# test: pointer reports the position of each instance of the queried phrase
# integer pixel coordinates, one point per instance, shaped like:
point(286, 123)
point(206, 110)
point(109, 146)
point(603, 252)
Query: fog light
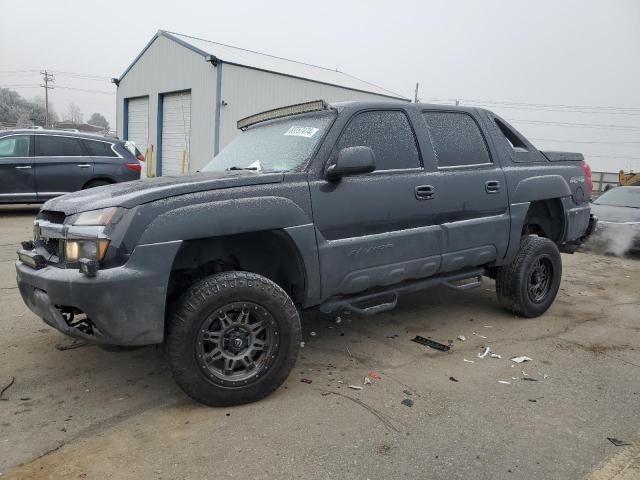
point(89, 249)
point(88, 267)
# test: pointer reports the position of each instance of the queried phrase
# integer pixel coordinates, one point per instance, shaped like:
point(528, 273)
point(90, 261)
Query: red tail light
point(587, 174)
point(140, 157)
point(134, 166)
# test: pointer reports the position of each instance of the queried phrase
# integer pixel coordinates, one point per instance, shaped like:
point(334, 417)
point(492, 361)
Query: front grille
point(52, 216)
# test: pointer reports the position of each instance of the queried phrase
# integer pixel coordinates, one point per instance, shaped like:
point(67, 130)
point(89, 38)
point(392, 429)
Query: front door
point(378, 228)
point(61, 165)
point(17, 179)
point(470, 191)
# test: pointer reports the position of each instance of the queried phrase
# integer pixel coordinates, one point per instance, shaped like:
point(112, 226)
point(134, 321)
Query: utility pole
point(47, 78)
point(415, 98)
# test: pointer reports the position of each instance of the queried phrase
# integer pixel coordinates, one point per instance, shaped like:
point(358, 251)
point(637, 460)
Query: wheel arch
point(274, 254)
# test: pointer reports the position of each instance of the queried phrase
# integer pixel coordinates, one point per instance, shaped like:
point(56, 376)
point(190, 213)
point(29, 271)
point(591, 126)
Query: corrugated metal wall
point(168, 67)
point(247, 91)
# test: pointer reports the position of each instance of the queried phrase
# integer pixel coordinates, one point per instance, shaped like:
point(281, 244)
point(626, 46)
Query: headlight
point(74, 250)
point(103, 216)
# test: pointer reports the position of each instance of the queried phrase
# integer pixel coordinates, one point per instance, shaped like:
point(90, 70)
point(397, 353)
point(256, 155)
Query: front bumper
point(125, 305)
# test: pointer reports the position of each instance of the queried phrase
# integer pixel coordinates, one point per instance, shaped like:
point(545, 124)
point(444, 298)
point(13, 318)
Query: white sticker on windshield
point(307, 132)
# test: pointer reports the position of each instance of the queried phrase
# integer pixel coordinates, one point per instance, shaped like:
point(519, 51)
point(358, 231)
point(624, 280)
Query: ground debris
point(374, 376)
point(306, 380)
point(617, 442)
point(9, 385)
point(504, 382)
point(454, 379)
point(407, 402)
point(431, 343)
point(462, 338)
point(485, 352)
point(495, 355)
point(355, 387)
point(521, 359)
point(468, 361)
point(530, 379)
point(70, 346)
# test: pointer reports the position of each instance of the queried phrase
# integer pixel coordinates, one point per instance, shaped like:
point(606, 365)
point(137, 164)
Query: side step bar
point(387, 299)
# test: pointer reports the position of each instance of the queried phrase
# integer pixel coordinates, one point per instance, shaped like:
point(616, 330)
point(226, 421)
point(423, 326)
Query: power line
point(581, 125)
point(583, 142)
point(545, 109)
point(549, 105)
point(30, 85)
point(104, 92)
point(612, 156)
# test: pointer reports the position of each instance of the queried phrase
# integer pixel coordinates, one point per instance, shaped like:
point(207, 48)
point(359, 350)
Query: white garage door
point(176, 130)
point(138, 125)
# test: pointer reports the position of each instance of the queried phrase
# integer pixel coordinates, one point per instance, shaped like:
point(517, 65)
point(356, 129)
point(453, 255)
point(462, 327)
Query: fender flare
point(543, 187)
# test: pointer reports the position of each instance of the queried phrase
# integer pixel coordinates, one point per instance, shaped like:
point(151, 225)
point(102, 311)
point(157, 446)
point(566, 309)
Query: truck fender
point(542, 187)
point(231, 217)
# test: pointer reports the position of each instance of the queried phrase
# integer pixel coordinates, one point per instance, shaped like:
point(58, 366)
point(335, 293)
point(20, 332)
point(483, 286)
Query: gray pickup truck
point(338, 207)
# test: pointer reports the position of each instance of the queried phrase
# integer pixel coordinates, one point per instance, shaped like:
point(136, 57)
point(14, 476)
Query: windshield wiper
point(242, 168)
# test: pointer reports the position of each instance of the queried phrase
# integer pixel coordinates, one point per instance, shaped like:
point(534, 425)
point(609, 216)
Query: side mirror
point(352, 161)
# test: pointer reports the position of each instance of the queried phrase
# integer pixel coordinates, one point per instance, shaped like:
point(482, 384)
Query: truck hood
point(608, 213)
point(131, 194)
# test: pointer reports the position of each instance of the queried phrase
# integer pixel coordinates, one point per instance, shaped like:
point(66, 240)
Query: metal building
point(181, 97)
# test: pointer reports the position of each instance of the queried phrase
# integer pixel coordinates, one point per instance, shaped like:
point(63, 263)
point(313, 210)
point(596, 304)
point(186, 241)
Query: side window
point(388, 133)
point(98, 149)
point(52, 146)
point(15, 146)
point(456, 139)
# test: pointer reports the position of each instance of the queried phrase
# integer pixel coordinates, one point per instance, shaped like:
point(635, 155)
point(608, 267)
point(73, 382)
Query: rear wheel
point(529, 284)
point(233, 338)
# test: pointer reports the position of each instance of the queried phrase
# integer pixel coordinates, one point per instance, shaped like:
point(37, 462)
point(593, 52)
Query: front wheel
point(529, 284)
point(232, 338)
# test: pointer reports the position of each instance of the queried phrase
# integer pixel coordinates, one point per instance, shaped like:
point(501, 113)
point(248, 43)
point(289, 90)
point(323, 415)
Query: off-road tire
point(197, 305)
point(513, 280)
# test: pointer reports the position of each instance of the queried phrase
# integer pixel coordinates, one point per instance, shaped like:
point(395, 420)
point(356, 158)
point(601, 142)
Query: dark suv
point(36, 165)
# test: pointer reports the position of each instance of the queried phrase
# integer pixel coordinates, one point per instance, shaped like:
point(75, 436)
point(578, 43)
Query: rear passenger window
point(388, 133)
point(512, 138)
point(50, 146)
point(456, 138)
point(98, 149)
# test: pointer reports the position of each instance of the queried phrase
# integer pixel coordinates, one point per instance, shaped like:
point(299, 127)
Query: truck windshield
point(278, 145)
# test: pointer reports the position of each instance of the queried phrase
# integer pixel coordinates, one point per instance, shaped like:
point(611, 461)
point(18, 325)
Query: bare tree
point(74, 114)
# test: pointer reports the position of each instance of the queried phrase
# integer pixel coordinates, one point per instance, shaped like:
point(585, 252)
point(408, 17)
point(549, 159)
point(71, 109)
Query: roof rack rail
point(313, 106)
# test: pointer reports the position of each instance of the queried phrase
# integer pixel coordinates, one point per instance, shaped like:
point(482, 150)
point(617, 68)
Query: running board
point(387, 299)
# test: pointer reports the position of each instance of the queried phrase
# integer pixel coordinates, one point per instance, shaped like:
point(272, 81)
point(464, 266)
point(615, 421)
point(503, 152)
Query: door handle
point(492, 186)
point(84, 165)
point(23, 167)
point(424, 192)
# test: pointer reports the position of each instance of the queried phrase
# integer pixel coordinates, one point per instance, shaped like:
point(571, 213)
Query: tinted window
point(388, 134)
point(98, 149)
point(17, 146)
point(47, 146)
point(620, 197)
point(456, 139)
point(514, 140)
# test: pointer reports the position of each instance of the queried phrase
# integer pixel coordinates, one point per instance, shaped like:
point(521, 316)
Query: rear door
point(470, 192)
point(61, 165)
point(103, 157)
point(17, 179)
point(378, 228)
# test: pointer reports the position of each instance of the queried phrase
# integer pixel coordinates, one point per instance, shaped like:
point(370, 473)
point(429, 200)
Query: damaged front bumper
point(120, 306)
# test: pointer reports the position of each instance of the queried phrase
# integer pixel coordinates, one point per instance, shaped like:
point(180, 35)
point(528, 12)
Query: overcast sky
point(574, 54)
